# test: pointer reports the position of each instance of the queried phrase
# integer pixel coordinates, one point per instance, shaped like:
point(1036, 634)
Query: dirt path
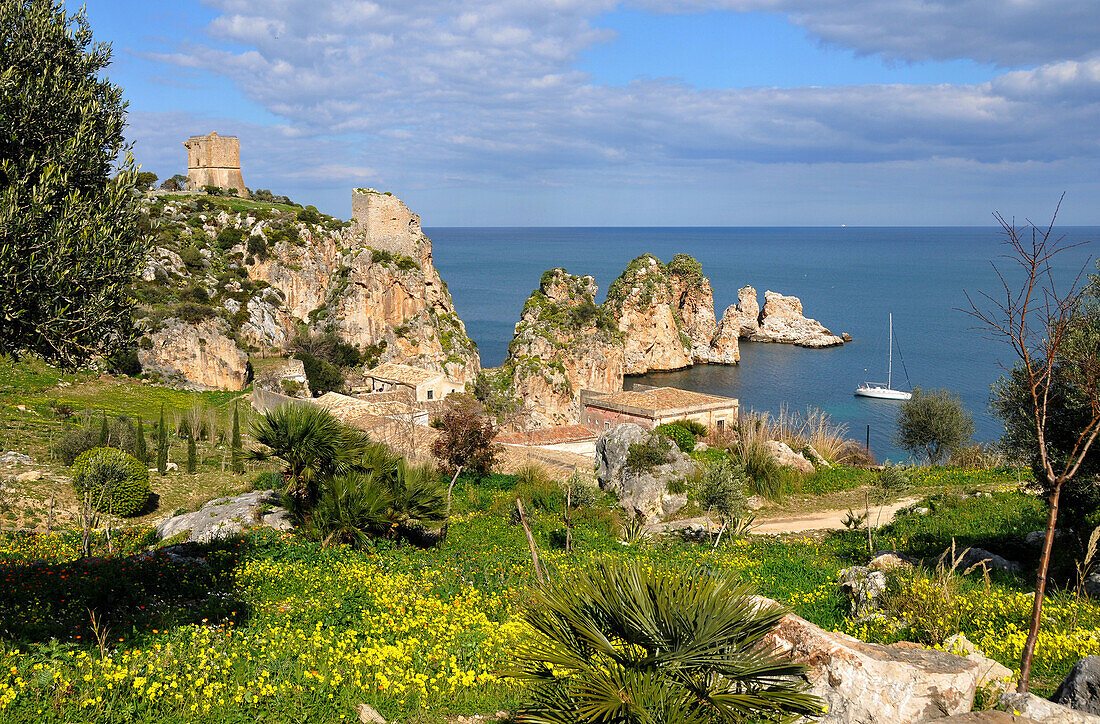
point(825, 519)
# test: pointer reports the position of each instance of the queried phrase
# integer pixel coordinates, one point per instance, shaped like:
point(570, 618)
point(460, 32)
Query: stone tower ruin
point(214, 160)
point(386, 223)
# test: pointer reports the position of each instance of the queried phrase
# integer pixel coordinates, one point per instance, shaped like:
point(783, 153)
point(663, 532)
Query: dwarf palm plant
point(312, 444)
point(620, 643)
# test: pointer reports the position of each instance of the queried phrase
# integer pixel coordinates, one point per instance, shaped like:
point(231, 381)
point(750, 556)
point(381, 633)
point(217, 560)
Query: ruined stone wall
point(385, 222)
point(214, 160)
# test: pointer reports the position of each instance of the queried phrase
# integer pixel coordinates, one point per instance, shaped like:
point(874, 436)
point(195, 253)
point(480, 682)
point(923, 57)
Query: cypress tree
point(191, 452)
point(162, 444)
point(237, 465)
point(141, 452)
point(104, 432)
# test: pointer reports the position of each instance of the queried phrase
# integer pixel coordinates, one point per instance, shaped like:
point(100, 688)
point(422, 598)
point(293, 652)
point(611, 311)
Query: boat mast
point(890, 357)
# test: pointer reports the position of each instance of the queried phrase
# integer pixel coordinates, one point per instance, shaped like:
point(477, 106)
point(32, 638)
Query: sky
point(642, 113)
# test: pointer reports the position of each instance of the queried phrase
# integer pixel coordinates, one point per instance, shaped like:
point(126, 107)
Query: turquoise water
point(848, 278)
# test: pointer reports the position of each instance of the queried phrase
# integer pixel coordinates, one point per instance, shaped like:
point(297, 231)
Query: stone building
point(423, 385)
point(653, 406)
point(214, 160)
point(385, 222)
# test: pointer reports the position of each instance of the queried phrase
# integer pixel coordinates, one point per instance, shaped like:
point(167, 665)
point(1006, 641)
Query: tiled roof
point(660, 399)
point(354, 410)
point(548, 435)
point(405, 374)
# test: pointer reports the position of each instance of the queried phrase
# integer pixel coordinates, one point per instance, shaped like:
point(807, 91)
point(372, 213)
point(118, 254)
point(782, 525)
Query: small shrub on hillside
point(680, 435)
point(309, 215)
point(192, 258)
point(978, 456)
point(193, 312)
point(582, 492)
point(120, 481)
point(643, 457)
point(720, 489)
point(257, 247)
point(229, 237)
point(538, 491)
point(76, 440)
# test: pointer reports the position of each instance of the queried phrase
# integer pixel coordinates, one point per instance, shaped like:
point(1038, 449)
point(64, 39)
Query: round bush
point(679, 435)
point(123, 475)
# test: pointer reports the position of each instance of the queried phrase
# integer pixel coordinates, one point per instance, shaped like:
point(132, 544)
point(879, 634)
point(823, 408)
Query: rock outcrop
point(1080, 689)
point(992, 675)
point(785, 457)
point(781, 320)
point(203, 354)
point(874, 684)
point(564, 343)
point(266, 273)
point(1039, 709)
point(642, 491)
point(642, 301)
point(224, 517)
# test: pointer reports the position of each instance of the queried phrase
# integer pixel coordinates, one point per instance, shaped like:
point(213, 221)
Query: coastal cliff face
point(694, 304)
point(268, 270)
point(643, 302)
point(564, 343)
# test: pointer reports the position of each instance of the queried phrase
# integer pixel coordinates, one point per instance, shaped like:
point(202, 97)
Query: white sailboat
point(877, 389)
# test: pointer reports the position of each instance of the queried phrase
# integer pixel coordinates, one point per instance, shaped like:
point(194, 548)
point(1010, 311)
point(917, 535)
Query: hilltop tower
point(214, 160)
point(386, 223)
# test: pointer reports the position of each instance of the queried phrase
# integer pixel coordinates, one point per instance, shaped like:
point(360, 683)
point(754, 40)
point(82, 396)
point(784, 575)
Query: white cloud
point(430, 92)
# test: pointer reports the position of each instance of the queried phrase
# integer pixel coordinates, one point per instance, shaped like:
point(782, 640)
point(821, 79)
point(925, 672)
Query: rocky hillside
point(656, 317)
point(229, 277)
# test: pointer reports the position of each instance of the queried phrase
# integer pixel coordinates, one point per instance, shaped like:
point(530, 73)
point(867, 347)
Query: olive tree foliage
point(70, 244)
point(1052, 328)
point(933, 424)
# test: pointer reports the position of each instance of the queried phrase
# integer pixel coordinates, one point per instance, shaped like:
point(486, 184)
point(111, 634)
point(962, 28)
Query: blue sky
point(595, 112)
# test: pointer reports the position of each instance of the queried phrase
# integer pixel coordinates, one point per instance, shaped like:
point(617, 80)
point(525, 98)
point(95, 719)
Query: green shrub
point(322, 375)
point(257, 247)
point(192, 312)
point(229, 237)
point(124, 362)
point(309, 215)
point(124, 478)
point(697, 429)
point(192, 257)
point(642, 457)
point(680, 435)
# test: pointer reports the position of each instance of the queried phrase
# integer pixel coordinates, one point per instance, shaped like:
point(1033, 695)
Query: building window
point(607, 426)
point(430, 394)
point(721, 424)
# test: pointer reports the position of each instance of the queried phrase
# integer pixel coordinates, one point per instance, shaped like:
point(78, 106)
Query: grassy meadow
point(276, 628)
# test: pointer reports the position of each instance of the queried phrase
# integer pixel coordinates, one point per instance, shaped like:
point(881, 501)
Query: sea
point(848, 278)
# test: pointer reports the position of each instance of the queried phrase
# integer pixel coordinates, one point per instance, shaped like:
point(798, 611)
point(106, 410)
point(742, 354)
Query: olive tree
point(933, 424)
point(70, 243)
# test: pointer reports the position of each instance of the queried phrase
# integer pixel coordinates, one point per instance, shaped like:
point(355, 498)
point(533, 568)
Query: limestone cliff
point(202, 355)
point(564, 343)
point(270, 270)
point(643, 302)
point(693, 301)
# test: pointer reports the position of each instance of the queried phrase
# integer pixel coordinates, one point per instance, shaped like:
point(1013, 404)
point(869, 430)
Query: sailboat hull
point(883, 393)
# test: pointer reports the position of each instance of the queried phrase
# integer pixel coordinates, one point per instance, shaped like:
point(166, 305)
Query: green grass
point(293, 604)
point(231, 204)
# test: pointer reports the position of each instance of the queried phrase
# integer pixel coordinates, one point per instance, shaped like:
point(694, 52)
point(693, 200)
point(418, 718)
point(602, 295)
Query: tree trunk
point(531, 543)
point(1040, 591)
point(447, 517)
